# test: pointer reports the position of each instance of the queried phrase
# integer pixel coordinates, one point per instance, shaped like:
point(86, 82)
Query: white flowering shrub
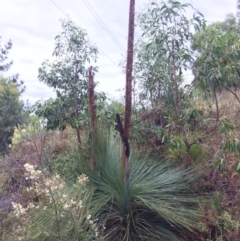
point(83, 180)
point(59, 213)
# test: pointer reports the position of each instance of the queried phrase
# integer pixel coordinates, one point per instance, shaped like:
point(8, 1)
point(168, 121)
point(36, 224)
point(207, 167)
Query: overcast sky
point(33, 24)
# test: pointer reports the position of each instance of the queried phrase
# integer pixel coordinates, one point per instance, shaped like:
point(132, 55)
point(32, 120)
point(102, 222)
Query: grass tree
point(125, 130)
point(154, 201)
point(159, 204)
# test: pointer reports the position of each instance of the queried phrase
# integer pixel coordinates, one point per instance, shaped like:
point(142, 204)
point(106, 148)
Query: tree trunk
point(178, 115)
point(93, 114)
point(92, 104)
point(235, 94)
point(76, 117)
point(176, 90)
point(188, 148)
point(76, 112)
point(128, 93)
point(217, 107)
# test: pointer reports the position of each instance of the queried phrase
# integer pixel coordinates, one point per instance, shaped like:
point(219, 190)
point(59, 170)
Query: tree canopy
point(4, 66)
point(11, 108)
point(218, 63)
point(68, 75)
point(11, 112)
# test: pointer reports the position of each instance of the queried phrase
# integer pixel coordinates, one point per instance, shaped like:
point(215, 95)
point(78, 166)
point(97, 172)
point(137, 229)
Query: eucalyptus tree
point(152, 83)
point(68, 73)
point(165, 24)
point(218, 63)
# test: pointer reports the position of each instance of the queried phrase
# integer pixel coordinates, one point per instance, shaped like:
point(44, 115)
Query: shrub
point(159, 204)
point(177, 150)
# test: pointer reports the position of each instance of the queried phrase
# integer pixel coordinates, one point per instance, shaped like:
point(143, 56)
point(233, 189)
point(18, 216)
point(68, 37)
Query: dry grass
point(228, 105)
point(224, 180)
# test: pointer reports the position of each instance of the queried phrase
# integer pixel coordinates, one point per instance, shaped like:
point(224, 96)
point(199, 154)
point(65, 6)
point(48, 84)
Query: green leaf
point(238, 167)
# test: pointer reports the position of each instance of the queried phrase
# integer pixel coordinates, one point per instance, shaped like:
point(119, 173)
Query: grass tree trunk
point(128, 93)
point(92, 112)
point(188, 148)
point(92, 104)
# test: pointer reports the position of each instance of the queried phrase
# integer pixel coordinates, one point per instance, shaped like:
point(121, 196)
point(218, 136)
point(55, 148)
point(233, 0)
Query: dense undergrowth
point(49, 190)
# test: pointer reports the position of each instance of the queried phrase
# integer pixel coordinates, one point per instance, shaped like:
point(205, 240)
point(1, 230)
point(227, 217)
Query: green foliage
point(217, 65)
point(164, 52)
point(147, 133)
point(159, 205)
point(27, 130)
point(232, 145)
point(162, 201)
point(107, 112)
point(230, 142)
point(192, 116)
point(4, 56)
point(5, 66)
point(68, 75)
point(163, 56)
point(11, 109)
point(227, 127)
point(151, 76)
point(225, 225)
point(68, 164)
point(177, 150)
point(196, 151)
point(11, 112)
point(57, 112)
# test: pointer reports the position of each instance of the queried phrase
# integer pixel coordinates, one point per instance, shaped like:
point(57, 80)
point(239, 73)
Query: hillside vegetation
point(69, 168)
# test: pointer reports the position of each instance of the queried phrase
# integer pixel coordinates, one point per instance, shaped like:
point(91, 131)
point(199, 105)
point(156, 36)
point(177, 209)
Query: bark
point(92, 104)
point(188, 148)
point(76, 112)
point(216, 103)
point(228, 89)
point(176, 87)
point(128, 93)
point(123, 136)
point(178, 115)
point(93, 113)
point(125, 153)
